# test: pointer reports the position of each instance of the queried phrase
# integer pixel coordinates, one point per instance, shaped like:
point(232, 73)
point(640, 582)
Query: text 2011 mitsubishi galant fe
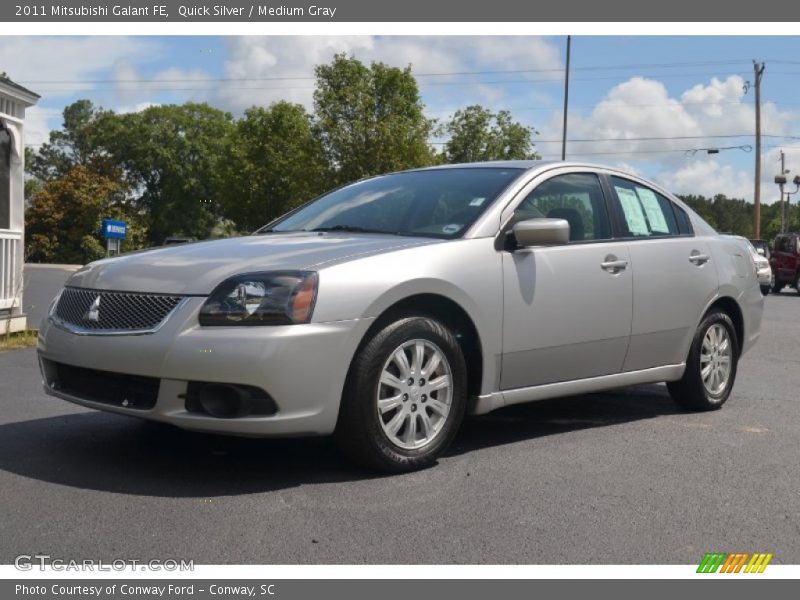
point(385, 310)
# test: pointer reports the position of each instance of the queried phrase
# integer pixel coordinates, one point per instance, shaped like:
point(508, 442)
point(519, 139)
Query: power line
point(688, 151)
point(434, 74)
point(205, 88)
point(669, 138)
point(656, 138)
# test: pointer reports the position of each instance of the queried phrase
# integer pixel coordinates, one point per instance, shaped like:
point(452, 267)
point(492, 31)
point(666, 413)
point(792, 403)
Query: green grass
point(21, 339)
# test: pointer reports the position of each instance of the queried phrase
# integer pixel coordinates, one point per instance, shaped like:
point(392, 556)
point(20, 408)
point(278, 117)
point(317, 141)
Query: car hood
point(198, 268)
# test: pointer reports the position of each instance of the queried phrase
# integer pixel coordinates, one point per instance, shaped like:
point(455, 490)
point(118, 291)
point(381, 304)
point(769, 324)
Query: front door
point(567, 309)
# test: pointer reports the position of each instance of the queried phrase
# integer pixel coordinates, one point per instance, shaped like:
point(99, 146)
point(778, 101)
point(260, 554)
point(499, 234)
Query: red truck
point(785, 261)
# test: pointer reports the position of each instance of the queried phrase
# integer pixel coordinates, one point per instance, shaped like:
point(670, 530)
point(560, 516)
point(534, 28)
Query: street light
point(796, 182)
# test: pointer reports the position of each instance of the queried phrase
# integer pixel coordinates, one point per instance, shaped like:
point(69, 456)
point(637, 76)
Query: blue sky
point(686, 91)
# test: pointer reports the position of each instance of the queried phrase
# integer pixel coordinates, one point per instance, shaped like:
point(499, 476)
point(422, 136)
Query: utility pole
point(566, 102)
point(758, 69)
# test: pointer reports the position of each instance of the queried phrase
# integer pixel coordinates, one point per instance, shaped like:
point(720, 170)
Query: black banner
point(397, 589)
point(406, 11)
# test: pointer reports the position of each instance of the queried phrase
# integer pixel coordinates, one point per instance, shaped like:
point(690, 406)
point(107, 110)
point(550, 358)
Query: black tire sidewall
point(363, 387)
point(713, 318)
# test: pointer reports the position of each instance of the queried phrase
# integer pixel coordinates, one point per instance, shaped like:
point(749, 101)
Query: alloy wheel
point(414, 394)
point(715, 359)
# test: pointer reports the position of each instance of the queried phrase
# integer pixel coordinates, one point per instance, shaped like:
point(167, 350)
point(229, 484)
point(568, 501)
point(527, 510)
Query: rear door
point(673, 278)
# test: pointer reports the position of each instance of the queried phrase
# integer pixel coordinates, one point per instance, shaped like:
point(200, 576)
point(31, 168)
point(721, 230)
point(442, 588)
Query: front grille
point(95, 310)
point(114, 389)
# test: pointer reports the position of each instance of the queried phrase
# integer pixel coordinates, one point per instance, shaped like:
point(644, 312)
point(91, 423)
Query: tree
point(172, 155)
point(478, 134)
point(370, 120)
point(64, 217)
point(78, 142)
point(275, 163)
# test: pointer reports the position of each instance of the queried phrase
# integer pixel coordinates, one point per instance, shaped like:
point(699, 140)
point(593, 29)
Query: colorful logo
point(743, 562)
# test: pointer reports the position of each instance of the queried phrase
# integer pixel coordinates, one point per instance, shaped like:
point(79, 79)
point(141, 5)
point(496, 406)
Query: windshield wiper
point(352, 229)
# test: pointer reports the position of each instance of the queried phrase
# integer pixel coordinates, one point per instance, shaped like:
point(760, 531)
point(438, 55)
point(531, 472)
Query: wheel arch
point(731, 307)
point(450, 313)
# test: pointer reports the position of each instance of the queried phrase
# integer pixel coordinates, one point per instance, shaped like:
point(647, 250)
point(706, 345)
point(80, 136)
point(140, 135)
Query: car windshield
point(432, 203)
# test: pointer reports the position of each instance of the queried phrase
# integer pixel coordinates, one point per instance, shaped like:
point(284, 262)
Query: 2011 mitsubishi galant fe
point(385, 310)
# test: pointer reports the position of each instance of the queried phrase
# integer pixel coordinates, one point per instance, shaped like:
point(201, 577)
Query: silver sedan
point(384, 311)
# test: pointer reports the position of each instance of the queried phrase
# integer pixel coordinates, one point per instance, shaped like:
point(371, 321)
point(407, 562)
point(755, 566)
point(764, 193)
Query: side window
point(576, 198)
point(645, 213)
point(684, 225)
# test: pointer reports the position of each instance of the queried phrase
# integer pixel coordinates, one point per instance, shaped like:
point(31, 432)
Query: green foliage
point(478, 134)
point(192, 170)
point(64, 216)
point(78, 142)
point(732, 215)
point(173, 155)
point(225, 228)
point(274, 164)
point(370, 120)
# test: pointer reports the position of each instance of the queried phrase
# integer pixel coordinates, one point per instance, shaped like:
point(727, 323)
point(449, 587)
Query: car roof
point(512, 164)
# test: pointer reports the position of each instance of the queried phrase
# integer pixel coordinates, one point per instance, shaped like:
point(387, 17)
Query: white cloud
point(679, 128)
point(256, 66)
point(263, 69)
point(38, 123)
point(135, 108)
point(707, 177)
point(40, 62)
point(265, 58)
point(133, 88)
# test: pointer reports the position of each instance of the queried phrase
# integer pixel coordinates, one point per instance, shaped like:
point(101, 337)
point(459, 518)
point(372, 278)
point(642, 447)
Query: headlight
point(273, 298)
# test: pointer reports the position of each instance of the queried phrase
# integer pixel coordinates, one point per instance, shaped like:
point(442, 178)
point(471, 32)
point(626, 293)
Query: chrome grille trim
point(118, 313)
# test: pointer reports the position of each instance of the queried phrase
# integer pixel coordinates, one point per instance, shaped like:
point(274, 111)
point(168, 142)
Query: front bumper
point(302, 367)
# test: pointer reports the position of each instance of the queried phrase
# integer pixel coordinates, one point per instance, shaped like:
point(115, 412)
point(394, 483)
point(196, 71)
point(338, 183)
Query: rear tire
point(710, 367)
point(405, 397)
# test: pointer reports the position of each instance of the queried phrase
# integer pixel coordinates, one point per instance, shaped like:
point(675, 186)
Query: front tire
point(710, 367)
point(765, 290)
point(405, 397)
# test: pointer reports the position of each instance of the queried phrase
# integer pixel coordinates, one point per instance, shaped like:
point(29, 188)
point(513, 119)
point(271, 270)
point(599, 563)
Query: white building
point(14, 99)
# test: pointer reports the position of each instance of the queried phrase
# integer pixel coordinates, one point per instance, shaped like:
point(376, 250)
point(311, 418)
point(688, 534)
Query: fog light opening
point(222, 401)
point(228, 400)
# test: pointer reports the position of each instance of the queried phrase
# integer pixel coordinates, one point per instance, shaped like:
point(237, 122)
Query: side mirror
point(541, 232)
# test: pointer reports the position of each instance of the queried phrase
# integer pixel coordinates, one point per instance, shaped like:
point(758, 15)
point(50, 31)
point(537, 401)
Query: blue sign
point(114, 230)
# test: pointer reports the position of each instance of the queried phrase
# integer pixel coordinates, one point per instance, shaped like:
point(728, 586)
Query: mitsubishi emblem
point(94, 311)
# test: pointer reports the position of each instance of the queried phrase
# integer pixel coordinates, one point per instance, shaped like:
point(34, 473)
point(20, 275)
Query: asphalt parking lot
point(602, 478)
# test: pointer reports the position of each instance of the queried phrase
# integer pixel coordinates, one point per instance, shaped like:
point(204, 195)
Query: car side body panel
point(468, 272)
point(564, 316)
point(738, 282)
point(669, 296)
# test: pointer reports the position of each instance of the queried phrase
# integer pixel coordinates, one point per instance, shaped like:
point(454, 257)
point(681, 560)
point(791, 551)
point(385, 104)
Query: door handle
point(698, 259)
point(613, 265)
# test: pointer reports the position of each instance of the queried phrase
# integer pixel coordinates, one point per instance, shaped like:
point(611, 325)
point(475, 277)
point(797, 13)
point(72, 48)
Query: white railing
point(10, 276)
